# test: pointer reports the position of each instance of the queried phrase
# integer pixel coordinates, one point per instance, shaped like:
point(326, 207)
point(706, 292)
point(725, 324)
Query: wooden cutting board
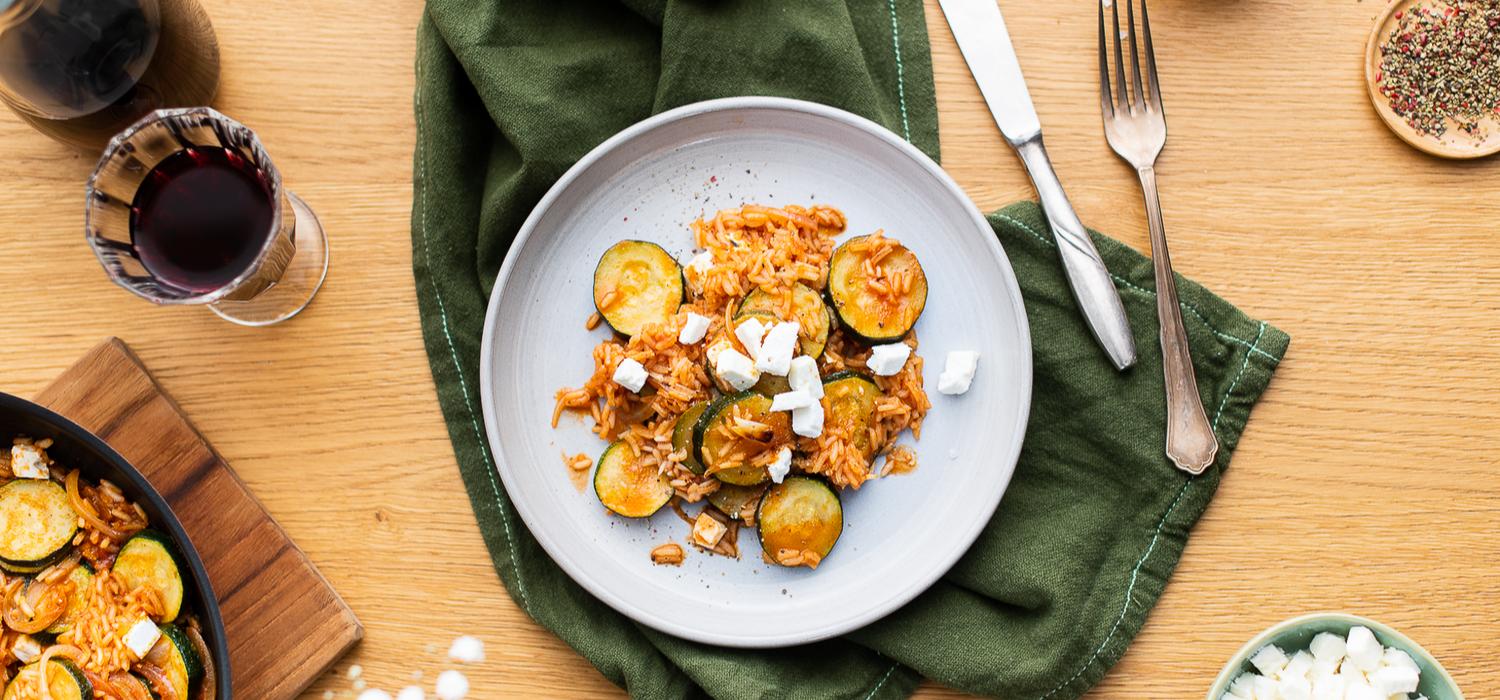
point(285, 624)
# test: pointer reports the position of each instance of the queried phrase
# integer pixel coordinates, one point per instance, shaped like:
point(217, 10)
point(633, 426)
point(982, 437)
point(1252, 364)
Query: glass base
point(295, 290)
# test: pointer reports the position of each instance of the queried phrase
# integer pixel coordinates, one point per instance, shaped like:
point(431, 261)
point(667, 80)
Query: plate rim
point(577, 572)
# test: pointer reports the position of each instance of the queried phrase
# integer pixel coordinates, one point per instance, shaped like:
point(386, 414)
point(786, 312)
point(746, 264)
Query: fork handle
point(1191, 444)
point(1087, 275)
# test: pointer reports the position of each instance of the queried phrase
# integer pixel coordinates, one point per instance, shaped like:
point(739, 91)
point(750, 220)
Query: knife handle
point(1087, 275)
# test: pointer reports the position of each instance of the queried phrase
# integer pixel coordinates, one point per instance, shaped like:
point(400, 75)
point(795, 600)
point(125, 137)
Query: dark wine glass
point(185, 207)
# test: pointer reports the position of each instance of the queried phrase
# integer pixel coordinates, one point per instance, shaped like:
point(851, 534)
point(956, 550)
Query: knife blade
point(985, 44)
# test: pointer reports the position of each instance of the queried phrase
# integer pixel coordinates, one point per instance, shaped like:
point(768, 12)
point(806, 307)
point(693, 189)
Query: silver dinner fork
point(1136, 128)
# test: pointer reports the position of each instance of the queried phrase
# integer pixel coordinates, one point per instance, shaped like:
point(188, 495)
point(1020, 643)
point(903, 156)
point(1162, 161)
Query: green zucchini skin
point(627, 489)
point(648, 280)
point(849, 399)
point(37, 525)
point(706, 443)
point(183, 665)
point(731, 500)
point(149, 558)
point(860, 311)
point(73, 685)
point(807, 307)
point(682, 435)
point(800, 513)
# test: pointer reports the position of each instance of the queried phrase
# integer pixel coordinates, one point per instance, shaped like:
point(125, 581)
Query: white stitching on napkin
point(900, 72)
point(453, 351)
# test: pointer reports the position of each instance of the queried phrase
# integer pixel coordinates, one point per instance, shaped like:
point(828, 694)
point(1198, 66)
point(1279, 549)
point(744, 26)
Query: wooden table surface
point(1367, 481)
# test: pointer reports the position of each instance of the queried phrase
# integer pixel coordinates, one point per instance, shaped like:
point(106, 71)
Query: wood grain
point(284, 624)
point(1367, 480)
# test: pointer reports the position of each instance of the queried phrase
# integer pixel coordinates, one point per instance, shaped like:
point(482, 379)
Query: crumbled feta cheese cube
point(1328, 686)
point(26, 648)
point(1294, 688)
point(141, 637)
point(1357, 688)
point(701, 262)
point(707, 532)
point(791, 400)
point(28, 462)
point(1363, 649)
point(719, 345)
point(958, 372)
point(1300, 663)
point(1395, 679)
point(1327, 646)
point(411, 692)
point(1322, 667)
point(1266, 689)
point(783, 464)
point(736, 370)
point(803, 376)
point(777, 349)
point(808, 420)
point(693, 329)
point(1400, 659)
point(467, 649)
point(750, 332)
point(886, 360)
point(1243, 686)
point(355, 671)
point(1270, 659)
point(631, 375)
point(374, 694)
point(452, 685)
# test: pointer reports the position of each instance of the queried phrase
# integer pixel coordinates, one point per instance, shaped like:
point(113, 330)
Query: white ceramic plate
point(648, 182)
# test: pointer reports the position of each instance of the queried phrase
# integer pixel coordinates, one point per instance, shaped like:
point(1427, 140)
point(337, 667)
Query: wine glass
point(185, 207)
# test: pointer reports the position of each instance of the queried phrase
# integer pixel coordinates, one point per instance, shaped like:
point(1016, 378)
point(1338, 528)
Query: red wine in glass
point(201, 218)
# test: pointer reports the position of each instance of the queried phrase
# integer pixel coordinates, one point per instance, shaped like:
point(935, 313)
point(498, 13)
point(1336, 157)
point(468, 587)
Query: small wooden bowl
point(1453, 143)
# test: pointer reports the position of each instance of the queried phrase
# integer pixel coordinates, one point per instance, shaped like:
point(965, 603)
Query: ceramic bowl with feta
point(1333, 656)
point(771, 372)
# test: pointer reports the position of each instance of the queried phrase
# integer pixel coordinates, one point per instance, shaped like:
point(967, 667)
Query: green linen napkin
point(1095, 519)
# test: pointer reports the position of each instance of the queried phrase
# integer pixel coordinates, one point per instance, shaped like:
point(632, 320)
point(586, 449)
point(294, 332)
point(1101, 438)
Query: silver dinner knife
point(985, 44)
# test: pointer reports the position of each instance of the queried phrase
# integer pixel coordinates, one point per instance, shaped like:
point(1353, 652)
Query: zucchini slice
point(874, 317)
point(849, 402)
point(682, 435)
point(802, 513)
point(626, 486)
point(636, 283)
point(808, 310)
point(731, 499)
point(37, 524)
point(726, 456)
point(82, 578)
point(144, 684)
point(184, 668)
point(65, 681)
point(150, 559)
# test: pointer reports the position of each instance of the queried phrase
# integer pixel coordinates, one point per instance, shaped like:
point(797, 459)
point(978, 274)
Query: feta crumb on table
point(452, 685)
point(411, 692)
point(374, 694)
point(28, 462)
point(693, 329)
point(736, 370)
point(803, 376)
point(467, 649)
point(886, 360)
point(631, 375)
